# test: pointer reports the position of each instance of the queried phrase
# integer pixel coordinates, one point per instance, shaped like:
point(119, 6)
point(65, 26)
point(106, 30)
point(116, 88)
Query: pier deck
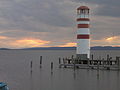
point(108, 64)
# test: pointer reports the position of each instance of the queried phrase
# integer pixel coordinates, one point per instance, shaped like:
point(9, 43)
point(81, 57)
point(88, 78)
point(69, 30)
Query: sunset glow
point(111, 38)
point(3, 37)
point(109, 41)
point(68, 45)
point(29, 43)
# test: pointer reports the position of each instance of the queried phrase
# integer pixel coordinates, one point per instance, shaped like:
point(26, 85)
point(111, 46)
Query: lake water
point(16, 72)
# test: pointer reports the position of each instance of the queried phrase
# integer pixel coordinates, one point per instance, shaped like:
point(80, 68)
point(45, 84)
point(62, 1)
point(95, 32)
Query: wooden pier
point(99, 64)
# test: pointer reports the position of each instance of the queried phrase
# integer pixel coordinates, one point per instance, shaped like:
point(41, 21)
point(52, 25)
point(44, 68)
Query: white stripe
point(83, 46)
point(83, 16)
point(83, 31)
point(83, 22)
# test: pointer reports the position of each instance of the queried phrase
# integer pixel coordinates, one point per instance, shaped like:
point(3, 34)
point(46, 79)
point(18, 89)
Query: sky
point(52, 23)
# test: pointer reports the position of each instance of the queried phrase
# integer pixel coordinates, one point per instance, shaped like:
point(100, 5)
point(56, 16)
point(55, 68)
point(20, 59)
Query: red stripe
point(83, 25)
point(83, 19)
point(83, 7)
point(86, 36)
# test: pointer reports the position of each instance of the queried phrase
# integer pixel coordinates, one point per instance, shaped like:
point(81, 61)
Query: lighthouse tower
point(83, 33)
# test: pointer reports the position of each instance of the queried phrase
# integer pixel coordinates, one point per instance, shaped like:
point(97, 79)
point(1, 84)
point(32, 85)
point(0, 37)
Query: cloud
point(106, 7)
point(30, 15)
point(104, 26)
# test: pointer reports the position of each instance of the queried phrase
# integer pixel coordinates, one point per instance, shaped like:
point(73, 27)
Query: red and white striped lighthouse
point(83, 33)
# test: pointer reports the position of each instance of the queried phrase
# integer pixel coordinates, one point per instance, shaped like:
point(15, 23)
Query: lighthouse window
point(88, 11)
point(82, 11)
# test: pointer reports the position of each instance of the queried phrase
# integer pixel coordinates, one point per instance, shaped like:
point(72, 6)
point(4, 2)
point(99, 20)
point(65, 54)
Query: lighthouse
point(83, 33)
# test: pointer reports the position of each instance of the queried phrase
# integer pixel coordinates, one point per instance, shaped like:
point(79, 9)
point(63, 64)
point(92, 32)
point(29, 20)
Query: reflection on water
point(74, 75)
point(31, 81)
point(15, 69)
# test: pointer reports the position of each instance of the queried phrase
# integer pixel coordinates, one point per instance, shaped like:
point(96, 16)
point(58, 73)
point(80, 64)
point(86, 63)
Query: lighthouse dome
point(83, 7)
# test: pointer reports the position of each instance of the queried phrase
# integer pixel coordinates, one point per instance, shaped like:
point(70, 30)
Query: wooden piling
point(31, 64)
point(110, 63)
point(88, 63)
point(74, 64)
point(40, 61)
point(51, 65)
point(63, 61)
point(72, 56)
point(103, 62)
point(108, 56)
point(118, 62)
point(97, 64)
point(107, 59)
point(51, 68)
point(59, 60)
point(92, 57)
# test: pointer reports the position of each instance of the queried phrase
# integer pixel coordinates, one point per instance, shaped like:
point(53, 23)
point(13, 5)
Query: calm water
point(15, 70)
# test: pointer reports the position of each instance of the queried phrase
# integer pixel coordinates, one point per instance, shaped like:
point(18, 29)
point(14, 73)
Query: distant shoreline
point(65, 48)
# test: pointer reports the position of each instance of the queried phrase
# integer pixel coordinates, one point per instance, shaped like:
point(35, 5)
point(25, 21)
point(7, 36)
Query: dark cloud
point(107, 7)
point(29, 15)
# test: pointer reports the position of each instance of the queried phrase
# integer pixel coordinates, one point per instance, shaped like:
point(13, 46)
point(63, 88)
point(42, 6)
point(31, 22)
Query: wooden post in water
point(92, 57)
point(98, 64)
point(64, 63)
point(59, 60)
point(107, 59)
point(74, 64)
point(31, 65)
point(72, 56)
point(99, 60)
point(51, 67)
point(103, 62)
point(108, 62)
point(98, 68)
point(118, 62)
point(40, 61)
point(88, 63)
point(66, 60)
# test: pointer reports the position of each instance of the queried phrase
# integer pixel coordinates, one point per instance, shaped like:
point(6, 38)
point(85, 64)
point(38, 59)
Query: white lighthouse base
point(83, 49)
point(82, 56)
